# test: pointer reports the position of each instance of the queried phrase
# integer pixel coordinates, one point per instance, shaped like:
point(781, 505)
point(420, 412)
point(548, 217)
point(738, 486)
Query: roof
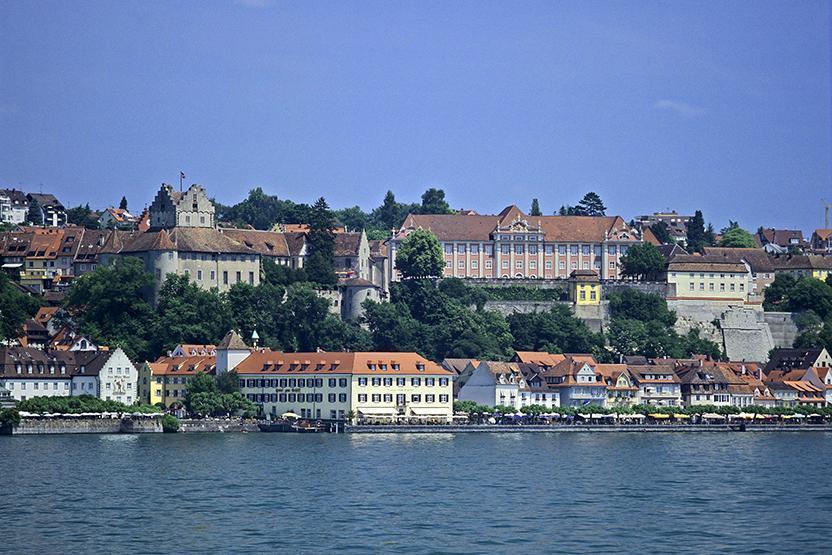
point(16, 196)
point(45, 313)
point(266, 243)
point(783, 359)
point(823, 234)
point(705, 263)
point(48, 363)
point(464, 227)
point(295, 242)
point(182, 239)
point(347, 244)
point(802, 262)
point(758, 259)
point(323, 363)
point(539, 358)
point(378, 248)
point(232, 341)
point(458, 365)
point(45, 199)
point(781, 237)
point(356, 282)
point(187, 365)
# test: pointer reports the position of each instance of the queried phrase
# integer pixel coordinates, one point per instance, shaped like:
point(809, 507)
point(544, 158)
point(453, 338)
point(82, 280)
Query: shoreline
point(584, 428)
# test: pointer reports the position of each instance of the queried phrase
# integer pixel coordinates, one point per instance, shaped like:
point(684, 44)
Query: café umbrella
point(289, 415)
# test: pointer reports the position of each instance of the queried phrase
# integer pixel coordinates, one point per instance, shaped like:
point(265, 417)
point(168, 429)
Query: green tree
point(777, 294)
point(35, 214)
point(189, 314)
point(15, 308)
point(535, 211)
point(433, 202)
point(82, 216)
point(661, 232)
point(353, 219)
point(262, 211)
point(632, 304)
point(203, 397)
point(737, 237)
point(109, 306)
point(320, 243)
point(123, 204)
point(591, 205)
point(420, 256)
point(642, 261)
point(696, 233)
point(554, 331)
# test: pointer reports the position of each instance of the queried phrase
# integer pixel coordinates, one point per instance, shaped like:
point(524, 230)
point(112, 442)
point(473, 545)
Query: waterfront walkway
point(576, 428)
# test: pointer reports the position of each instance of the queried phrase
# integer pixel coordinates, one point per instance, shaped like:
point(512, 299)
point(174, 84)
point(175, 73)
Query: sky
point(718, 106)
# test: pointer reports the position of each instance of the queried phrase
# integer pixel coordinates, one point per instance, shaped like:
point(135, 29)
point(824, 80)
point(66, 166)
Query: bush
point(170, 424)
point(9, 417)
point(77, 405)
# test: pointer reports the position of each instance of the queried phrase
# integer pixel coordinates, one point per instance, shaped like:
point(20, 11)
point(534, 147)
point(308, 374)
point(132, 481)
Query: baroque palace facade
point(514, 245)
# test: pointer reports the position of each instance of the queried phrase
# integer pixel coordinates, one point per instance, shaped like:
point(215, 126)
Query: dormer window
point(420, 366)
point(371, 365)
point(382, 366)
point(18, 367)
point(395, 366)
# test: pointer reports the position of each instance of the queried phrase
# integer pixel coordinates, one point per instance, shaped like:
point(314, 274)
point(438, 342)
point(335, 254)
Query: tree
point(433, 202)
point(189, 314)
point(353, 219)
point(661, 232)
point(696, 233)
point(777, 294)
point(554, 331)
point(632, 304)
point(420, 256)
point(644, 261)
point(15, 308)
point(737, 237)
point(35, 215)
point(320, 243)
point(203, 397)
point(123, 204)
point(109, 306)
point(82, 216)
point(591, 205)
point(262, 211)
point(535, 211)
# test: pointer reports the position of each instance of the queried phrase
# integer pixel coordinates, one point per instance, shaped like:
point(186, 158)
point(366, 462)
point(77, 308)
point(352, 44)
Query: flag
point(181, 175)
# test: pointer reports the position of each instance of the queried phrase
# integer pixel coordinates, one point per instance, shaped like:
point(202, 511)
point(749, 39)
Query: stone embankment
point(218, 425)
point(88, 423)
point(662, 428)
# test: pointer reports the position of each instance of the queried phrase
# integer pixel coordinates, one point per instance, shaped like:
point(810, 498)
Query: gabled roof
point(758, 259)
point(323, 363)
point(267, 243)
point(706, 263)
point(233, 342)
point(347, 244)
point(802, 262)
point(786, 359)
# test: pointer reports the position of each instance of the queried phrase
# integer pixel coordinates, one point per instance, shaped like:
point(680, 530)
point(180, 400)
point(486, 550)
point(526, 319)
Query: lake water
point(442, 493)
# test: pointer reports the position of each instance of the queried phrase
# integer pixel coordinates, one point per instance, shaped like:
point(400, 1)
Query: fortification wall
point(69, 424)
point(783, 328)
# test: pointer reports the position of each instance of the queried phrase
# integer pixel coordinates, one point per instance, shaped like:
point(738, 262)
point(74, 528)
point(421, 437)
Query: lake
point(438, 493)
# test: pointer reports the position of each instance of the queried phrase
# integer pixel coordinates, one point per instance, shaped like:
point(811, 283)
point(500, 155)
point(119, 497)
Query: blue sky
point(723, 106)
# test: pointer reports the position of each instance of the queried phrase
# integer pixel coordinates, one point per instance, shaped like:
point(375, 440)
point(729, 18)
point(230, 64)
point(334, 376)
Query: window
point(239, 278)
point(342, 397)
point(415, 382)
point(573, 249)
point(449, 248)
point(722, 287)
point(416, 398)
point(732, 287)
point(504, 264)
point(690, 286)
point(475, 249)
point(460, 264)
point(331, 397)
point(430, 398)
point(251, 278)
point(460, 248)
point(710, 286)
point(532, 249)
point(430, 382)
point(475, 264)
point(562, 265)
point(362, 381)
point(701, 285)
point(342, 382)
point(548, 264)
point(532, 265)
point(611, 250)
point(487, 264)
point(225, 278)
point(561, 250)
point(376, 397)
point(199, 275)
point(362, 397)
point(548, 249)
point(585, 250)
point(443, 382)
point(213, 275)
point(518, 264)
point(388, 397)
point(612, 265)
point(443, 398)
point(401, 381)
point(447, 263)
point(574, 265)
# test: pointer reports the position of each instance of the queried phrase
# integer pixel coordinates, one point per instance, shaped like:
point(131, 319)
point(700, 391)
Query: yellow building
point(166, 380)
point(336, 386)
point(585, 287)
point(708, 278)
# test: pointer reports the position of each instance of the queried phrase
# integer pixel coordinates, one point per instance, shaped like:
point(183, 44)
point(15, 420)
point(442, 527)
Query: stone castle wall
point(68, 424)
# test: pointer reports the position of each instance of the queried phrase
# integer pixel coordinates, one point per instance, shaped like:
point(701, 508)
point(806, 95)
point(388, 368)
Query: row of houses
point(793, 377)
point(15, 206)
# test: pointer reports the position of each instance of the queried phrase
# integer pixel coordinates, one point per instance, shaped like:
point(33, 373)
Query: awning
point(639, 416)
point(713, 416)
point(428, 412)
point(659, 415)
point(376, 412)
point(681, 416)
point(12, 265)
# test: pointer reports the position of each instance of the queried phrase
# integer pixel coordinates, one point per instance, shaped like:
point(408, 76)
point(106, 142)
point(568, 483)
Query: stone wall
point(507, 308)
point(745, 335)
point(218, 425)
point(71, 424)
point(512, 282)
point(659, 288)
point(783, 329)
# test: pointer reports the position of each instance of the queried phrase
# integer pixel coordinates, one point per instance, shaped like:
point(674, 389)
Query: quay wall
point(663, 428)
point(217, 425)
point(36, 425)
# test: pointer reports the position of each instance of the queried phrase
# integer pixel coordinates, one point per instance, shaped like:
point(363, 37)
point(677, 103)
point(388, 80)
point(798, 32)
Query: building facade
point(514, 245)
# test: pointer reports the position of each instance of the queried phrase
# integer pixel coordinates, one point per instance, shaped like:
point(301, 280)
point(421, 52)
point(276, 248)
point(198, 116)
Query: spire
point(232, 342)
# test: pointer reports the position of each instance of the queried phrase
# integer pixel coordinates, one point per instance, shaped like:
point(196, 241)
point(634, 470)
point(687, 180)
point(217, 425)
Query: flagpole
point(181, 175)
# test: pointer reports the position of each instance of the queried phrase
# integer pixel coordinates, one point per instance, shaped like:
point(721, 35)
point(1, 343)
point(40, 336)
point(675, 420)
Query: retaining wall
point(35, 425)
point(217, 425)
point(783, 329)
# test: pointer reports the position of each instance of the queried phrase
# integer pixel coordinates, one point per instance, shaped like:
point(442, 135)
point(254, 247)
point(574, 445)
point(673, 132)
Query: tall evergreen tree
point(591, 205)
point(661, 232)
point(535, 211)
point(433, 202)
point(35, 215)
point(123, 204)
point(388, 213)
point(320, 244)
point(696, 233)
